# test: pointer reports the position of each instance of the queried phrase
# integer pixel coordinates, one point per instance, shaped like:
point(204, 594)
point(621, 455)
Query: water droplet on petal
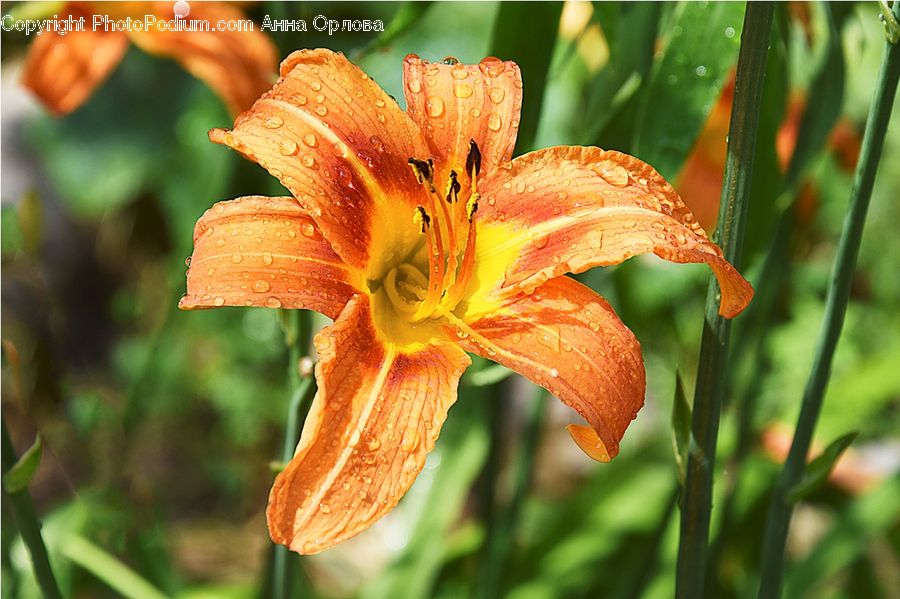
point(273, 302)
point(321, 110)
point(315, 85)
point(613, 173)
point(287, 147)
point(373, 445)
point(554, 372)
point(308, 229)
point(187, 261)
point(496, 94)
point(310, 140)
point(414, 86)
point(267, 258)
point(492, 67)
point(308, 160)
point(236, 258)
point(494, 122)
point(219, 301)
point(462, 90)
point(260, 286)
point(434, 106)
point(377, 143)
point(273, 122)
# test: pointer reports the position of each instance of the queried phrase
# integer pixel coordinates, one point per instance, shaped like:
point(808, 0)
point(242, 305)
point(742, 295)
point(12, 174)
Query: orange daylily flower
point(63, 70)
point(416, 232)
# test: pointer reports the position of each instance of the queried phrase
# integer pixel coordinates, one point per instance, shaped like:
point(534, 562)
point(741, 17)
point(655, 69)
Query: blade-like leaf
point(819, 469)
point(699, 53)
point(681, 428)
point(20, 475)
point(526, 33)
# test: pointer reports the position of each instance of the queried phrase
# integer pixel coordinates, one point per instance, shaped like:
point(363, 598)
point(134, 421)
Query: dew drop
point(310, 140)
point(260, 286)
point(492, 67)
point(273, 302)
point(462, 90)
point(434, 106)
point(450, 60)
point(299, 99)
point(187, 261)
point(219, 301)
point(273, 122)
point(308, 230)
point(377, 143)
point(320, 98)
point(324, 508)
point(287, 147)
point(373, 445)
point(321, 110)
point(459, 72)
point(267, 258)
point(236, 258)
point(496, 94)
point(315, 85)
point(414, 86)
point(308, 160)
point(729, 32)
point(701, 71)
point(554, 372)
point(494, 122)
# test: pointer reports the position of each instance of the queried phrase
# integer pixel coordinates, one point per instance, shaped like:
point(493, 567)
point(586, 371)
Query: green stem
point(296, 329)
point(29, 525)
point(780, 509)
point(502, 528)
point(713, 365)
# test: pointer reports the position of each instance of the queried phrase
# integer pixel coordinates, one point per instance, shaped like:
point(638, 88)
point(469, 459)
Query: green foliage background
point(159, 426)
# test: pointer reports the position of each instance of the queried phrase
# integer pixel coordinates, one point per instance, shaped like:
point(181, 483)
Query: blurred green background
point(159, 426)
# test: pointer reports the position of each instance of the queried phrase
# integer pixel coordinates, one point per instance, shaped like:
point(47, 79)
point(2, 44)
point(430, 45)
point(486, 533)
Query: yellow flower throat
point(448, 227)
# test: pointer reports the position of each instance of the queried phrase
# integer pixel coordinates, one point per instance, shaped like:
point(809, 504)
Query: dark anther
point(453, 188)
point(473, 160)
point(424, 170)
point(424, 219)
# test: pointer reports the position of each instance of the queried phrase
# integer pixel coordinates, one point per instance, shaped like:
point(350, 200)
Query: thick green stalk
point(302, 384)
point(780, 509)
point(29, 525)
point(712, 369)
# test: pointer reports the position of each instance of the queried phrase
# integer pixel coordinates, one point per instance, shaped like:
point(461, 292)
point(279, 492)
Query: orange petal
point(258, 251)
point(377, 414)
point(457, 103)
point(567, 339)
point(238, 65)
point(63, 70)
point(341, 145)
point(568, 209)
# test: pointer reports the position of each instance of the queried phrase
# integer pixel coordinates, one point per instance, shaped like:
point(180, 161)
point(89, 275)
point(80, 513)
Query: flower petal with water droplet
point(360, 379)
point(275, 270)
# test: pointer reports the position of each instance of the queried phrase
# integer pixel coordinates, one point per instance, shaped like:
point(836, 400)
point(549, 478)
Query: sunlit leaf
point(699, 52)
point(526, 32)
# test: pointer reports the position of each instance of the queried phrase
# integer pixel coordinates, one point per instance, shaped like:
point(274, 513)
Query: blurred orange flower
point(422, 239)
point(63, 70)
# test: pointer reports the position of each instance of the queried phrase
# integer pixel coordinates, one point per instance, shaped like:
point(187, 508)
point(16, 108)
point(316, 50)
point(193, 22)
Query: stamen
point(436, 274)
point(465, 272)
point(473, 160)
point(421, 218)
point(453, 187)
point(424, 171)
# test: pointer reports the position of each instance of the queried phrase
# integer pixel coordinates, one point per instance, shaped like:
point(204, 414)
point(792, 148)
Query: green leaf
point(819, 469)
point(630, 30)
point(488, 375)
point(526, 33)
point(681, 428)
point(685, 83)
point(122, 579)
point(20, 475)
point(406, 16)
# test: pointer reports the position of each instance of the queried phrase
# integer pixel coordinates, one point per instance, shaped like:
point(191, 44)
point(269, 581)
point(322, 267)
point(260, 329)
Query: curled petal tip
point(586, 438)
